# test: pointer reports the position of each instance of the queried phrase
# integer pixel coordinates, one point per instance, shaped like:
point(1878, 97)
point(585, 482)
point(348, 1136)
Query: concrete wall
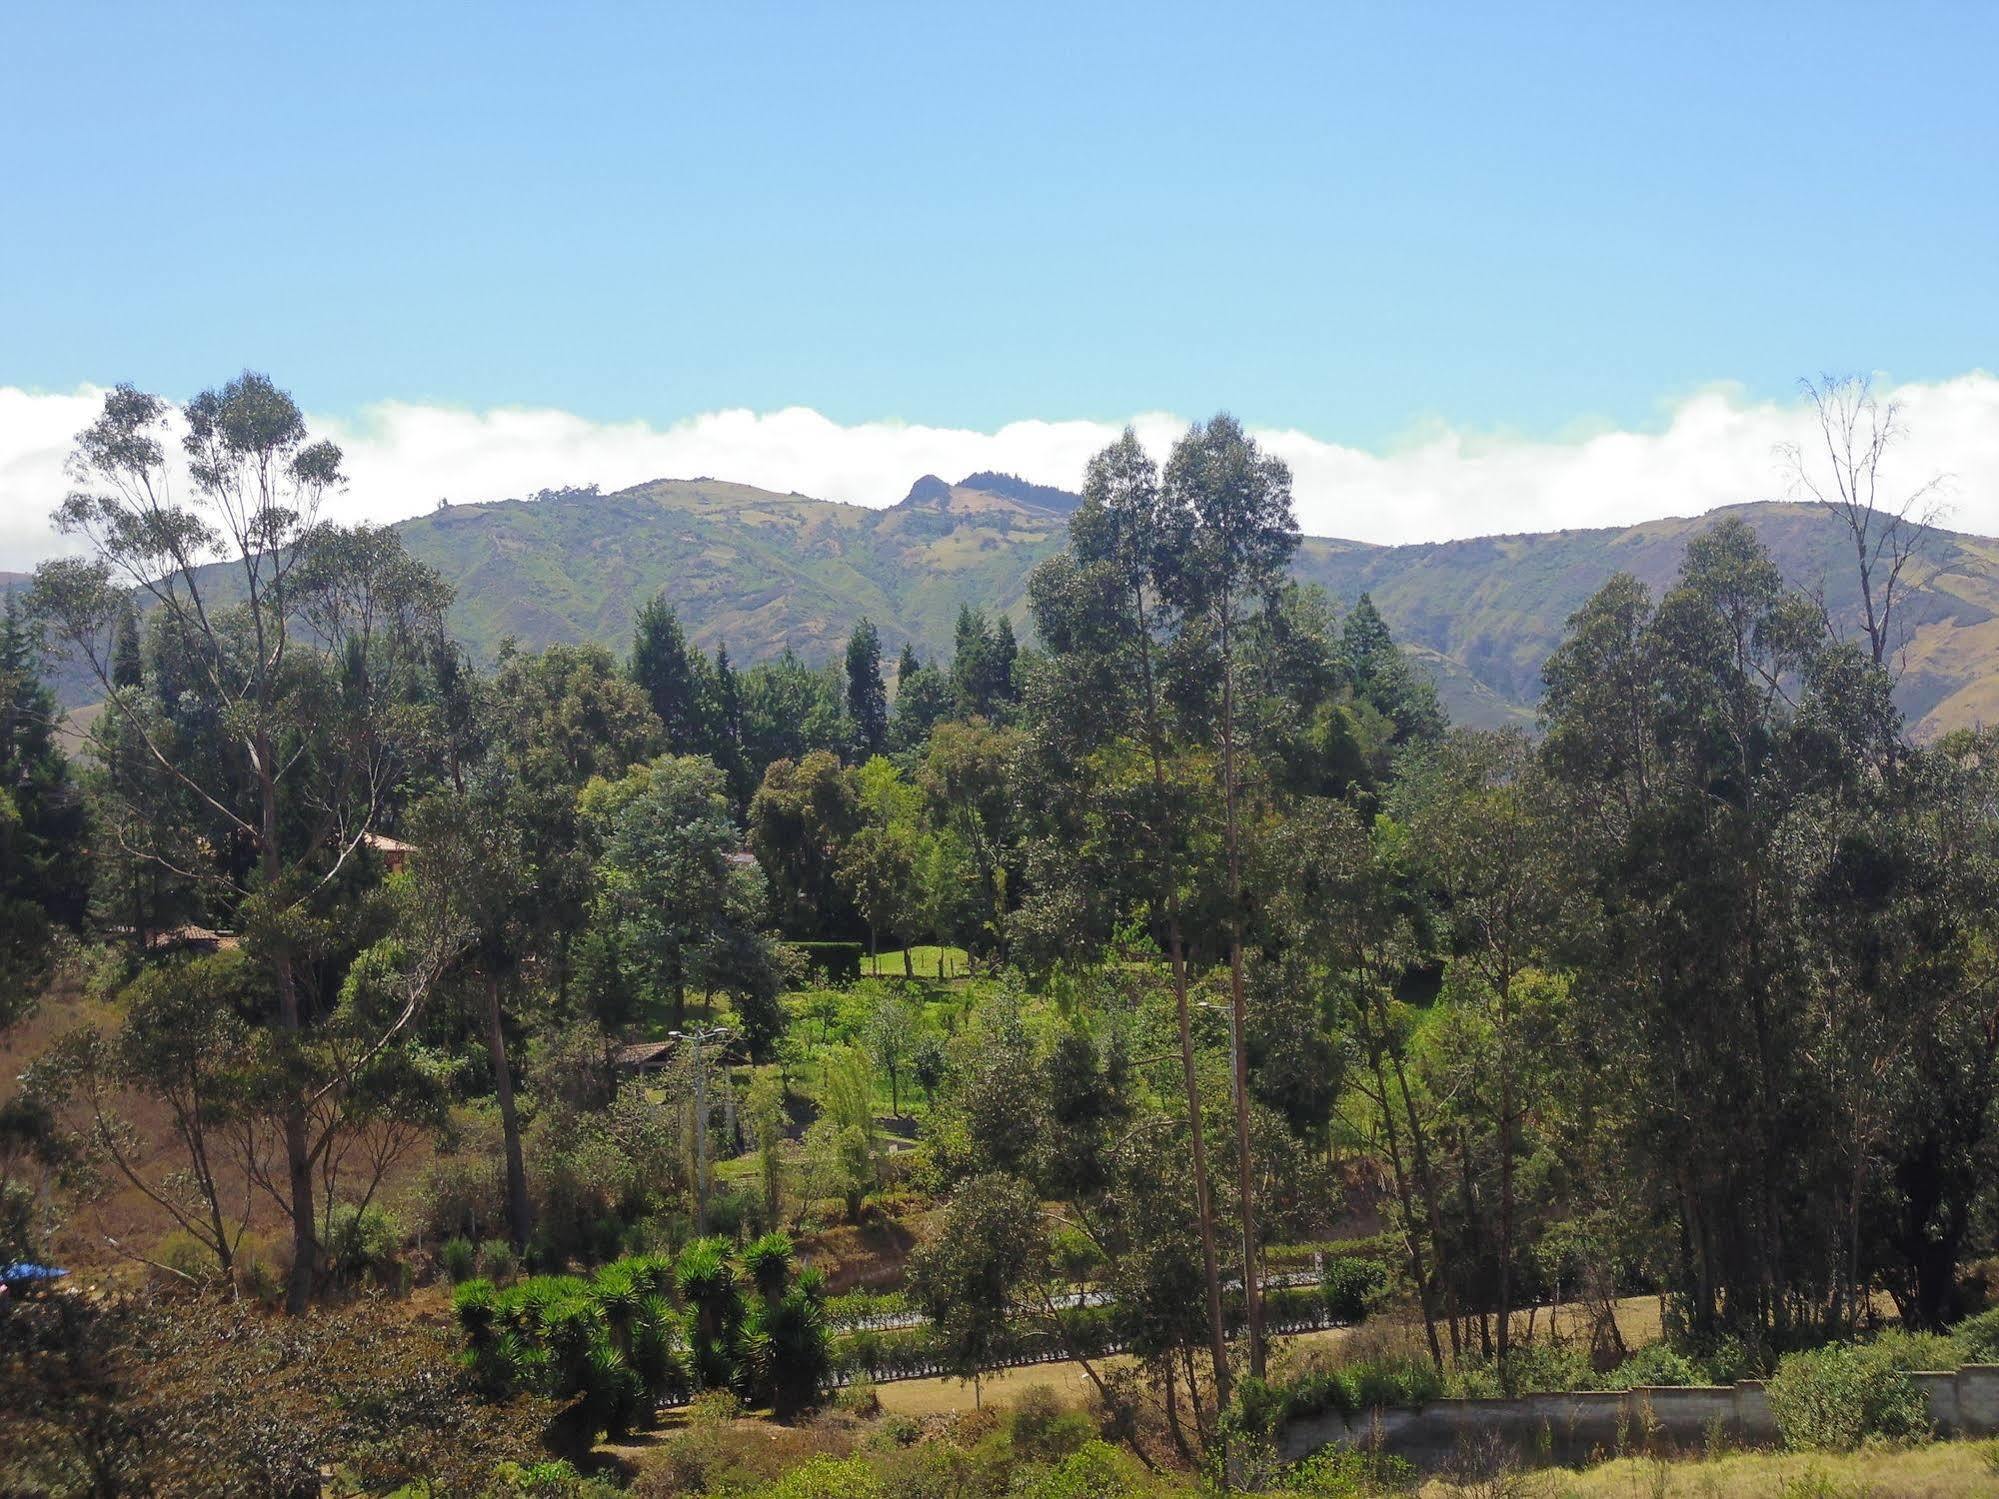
point(1578, 1425)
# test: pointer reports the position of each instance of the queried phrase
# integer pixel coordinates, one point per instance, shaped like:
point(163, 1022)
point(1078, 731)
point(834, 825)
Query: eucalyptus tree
point(1487, 835)
point(303, 645)
point(1232, 533)
point(472, 859)
point(1734, 779)
point(1099, 613)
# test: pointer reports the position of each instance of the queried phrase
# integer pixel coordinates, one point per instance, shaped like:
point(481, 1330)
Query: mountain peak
point(928, 490)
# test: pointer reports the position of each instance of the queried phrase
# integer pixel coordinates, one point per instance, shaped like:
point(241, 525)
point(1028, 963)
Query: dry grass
point(929, 1397)
point(1943, 1470)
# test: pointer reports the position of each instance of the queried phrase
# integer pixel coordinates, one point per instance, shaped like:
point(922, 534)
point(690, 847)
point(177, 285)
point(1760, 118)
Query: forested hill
point(765, 571)
point(758, 570)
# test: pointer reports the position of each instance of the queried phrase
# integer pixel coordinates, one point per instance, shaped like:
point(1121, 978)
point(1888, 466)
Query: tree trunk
point(1176, 952)
point(519, 1215)
point(1245, 1168)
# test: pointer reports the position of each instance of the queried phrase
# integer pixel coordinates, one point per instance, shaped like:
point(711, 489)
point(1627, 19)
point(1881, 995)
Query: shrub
point(1347, 1473)
point(1655, 1364)
point(1392, 1380)
point(361, 1242)
point(860, 1398)
point(1833, 1398)
point(1075, 1252)
point(1978, 1338)
point(184, 1259)
point(1918, 1350)
point(1350, 1286)
point(1094, 1471)
point(262, 1274)
point(1043, 1429)
point(498, 1260)
point(826, 1478)
point(458, 1259)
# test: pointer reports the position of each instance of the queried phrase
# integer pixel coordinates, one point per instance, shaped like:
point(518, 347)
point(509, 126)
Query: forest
point(574, 1073)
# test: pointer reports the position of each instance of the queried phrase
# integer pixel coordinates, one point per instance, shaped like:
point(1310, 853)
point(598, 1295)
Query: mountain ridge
point(766, 572)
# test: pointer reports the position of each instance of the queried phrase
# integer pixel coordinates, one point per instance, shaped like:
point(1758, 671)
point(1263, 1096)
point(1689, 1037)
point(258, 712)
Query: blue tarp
point(24, 1274)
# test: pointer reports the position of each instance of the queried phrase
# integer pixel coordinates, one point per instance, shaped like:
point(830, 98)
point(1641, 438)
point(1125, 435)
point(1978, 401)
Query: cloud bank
point(1714, 448)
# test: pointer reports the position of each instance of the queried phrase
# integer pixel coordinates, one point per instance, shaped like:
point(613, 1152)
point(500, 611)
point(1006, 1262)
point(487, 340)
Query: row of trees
point(1694, 991)
point(783, 710)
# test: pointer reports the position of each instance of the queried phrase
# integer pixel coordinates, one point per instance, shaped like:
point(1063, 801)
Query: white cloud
point(1716, 448)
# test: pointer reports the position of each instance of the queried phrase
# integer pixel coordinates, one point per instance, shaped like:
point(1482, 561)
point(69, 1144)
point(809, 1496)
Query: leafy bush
point(1045, 1430)
point(826, 1478)
point(1977, 1338)
point(1075, 1253)
point(1350, 1285)
point(1347, 1473)
point(361, 1242)
point(1094, 1471)
point(1918, 1350)
point(498, 1260)
point(458, 1259)
point(1656, 1364)
point(856, 1307)
point(185, 1260)
point(1833, 1398)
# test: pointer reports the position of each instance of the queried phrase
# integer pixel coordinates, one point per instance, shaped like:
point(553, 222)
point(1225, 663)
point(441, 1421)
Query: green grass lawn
point(924, 962)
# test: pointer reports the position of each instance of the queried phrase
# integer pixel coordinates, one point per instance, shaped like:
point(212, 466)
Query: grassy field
point(1942, 1470)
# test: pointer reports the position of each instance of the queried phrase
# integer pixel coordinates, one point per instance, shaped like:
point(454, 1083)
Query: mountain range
point(765, 572)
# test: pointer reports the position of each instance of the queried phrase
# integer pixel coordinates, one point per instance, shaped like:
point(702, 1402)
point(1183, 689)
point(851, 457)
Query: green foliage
point(1349, 1285)
point(989, 1245)
point(44, 867)
point(458, 1259)
point(362, 1242)
point(1043, 1429)
point(644, 1328)
point(1978, 1338)
point(1348, 1473)
point(606, 1346)
point(1834, 1398)
point(834, 962)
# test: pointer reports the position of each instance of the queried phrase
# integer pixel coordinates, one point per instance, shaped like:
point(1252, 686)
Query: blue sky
point(1363, 222)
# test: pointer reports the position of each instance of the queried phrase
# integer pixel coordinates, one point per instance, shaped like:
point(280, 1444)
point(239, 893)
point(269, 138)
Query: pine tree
point(44, 867)
point(672, 676)
point(867, 698)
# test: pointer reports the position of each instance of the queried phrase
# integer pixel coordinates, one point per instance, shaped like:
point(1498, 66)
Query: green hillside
point(765, 572)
